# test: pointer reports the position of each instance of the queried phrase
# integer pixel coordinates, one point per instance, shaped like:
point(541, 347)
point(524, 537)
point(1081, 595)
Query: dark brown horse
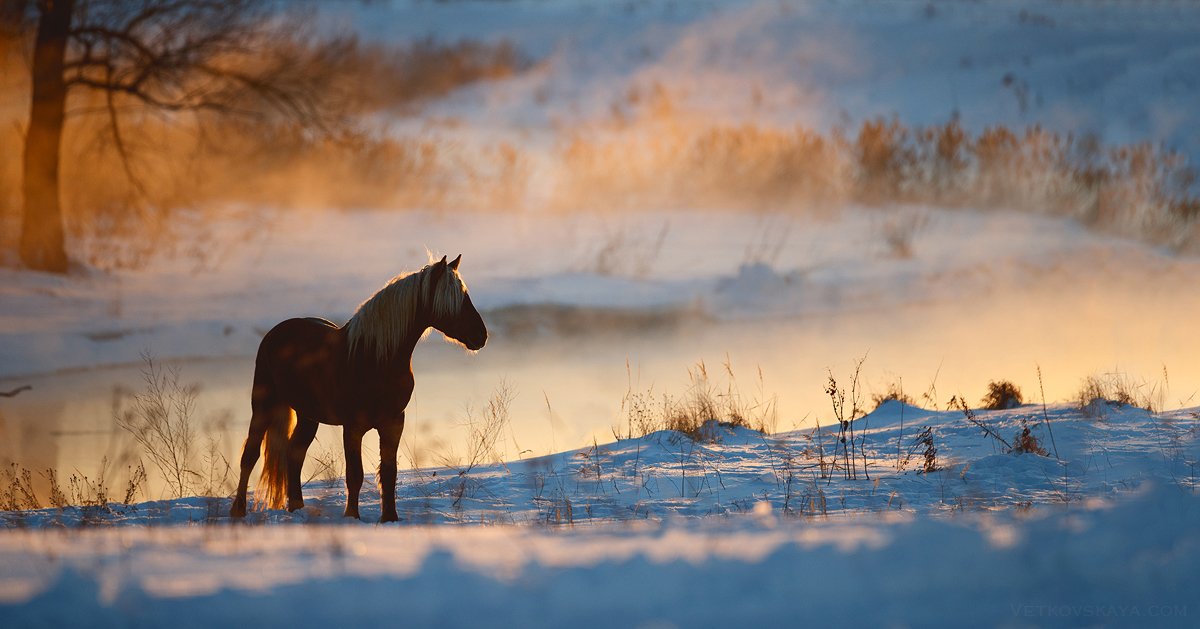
point(358, 376)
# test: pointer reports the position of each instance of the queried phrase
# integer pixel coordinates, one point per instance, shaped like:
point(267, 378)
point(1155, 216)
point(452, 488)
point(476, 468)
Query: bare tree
point(221, 57)
point(12, 21)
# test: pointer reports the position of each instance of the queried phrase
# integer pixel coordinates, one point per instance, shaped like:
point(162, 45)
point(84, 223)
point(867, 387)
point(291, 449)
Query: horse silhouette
point(358, 376)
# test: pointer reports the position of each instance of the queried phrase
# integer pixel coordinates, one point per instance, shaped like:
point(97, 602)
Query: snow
point(620, 534)
point(570, 526)
point(731, 470)
point(1060, 568)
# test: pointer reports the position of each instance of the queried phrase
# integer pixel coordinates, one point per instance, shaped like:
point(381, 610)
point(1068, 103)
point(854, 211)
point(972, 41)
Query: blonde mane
point(383, 321)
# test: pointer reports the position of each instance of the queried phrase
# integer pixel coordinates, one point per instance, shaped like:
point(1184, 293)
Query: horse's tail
point(271, 491)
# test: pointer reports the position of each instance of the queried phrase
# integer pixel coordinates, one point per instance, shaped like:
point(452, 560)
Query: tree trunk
point(12, 17)
point(43, 244)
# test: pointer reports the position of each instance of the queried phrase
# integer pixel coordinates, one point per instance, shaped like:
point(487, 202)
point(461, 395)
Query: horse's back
point(299, 362)
point(319, 321)
point(300, 335)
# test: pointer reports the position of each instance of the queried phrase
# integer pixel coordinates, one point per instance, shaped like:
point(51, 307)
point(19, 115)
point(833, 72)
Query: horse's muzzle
point(477, 344)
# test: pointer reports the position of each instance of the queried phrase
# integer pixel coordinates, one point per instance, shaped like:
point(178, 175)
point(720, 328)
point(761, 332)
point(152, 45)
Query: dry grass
point(1025, 442)
point(624, 251)
point(90, 494)
point(705, 406)
point(656, 155)
point(852, 448)
point(894, 391)
point(1099, 391)
point(328, 463)
point(899, 232)
point(215, 476)
point(16, 490)
point(1001, 395)
point(161, 419)
point(960, 404)
point(922, 445)
point(485, 432)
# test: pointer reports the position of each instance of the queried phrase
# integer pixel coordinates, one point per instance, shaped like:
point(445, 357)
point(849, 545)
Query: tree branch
point(16, 391)
point(120, 142)
point(81, 33)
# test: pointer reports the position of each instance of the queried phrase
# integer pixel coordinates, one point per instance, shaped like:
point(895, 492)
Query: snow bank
point(1128, 564)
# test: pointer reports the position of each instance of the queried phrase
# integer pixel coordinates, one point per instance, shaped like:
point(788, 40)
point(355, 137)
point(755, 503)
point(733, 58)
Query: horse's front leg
point(389, 443)
point(352, 441)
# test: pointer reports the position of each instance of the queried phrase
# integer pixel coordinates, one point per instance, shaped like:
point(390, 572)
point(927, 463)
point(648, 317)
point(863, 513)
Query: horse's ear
point(454, 264)
point(437, 270)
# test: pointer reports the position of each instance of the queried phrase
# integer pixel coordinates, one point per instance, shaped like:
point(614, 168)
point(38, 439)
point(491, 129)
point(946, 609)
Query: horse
point(358, 376)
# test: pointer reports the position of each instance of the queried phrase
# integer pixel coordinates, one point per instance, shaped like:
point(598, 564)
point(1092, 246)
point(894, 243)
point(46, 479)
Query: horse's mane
point(383, 321)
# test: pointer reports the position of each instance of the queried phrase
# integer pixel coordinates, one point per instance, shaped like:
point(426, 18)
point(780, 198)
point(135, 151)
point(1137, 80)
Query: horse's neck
point(400, 361)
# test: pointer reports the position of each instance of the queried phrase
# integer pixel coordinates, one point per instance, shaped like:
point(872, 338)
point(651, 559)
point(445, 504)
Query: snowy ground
point(1050, 567)
point(588, 307)
point(664, 531)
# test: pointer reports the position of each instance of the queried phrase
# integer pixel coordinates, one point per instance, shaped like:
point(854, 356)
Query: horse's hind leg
point(352, 442)
point(302, 436)
point(389, 443)
point(259, 422)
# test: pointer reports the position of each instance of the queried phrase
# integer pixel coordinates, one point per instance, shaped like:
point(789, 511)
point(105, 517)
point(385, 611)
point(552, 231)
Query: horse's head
point(452, 312)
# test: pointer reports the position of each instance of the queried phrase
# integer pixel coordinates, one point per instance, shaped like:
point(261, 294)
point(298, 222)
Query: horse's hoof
point(295, 506)
point(351, 514)
point(237, 512)
point(388, 517)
